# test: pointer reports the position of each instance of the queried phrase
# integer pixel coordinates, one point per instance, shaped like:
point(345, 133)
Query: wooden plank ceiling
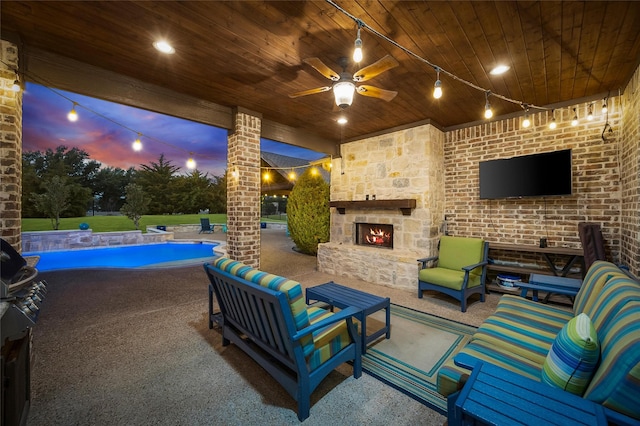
point(250, 54)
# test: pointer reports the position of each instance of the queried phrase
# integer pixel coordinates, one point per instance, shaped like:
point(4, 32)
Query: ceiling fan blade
point(319, 66)
point(375, 69)
point(376, 92)
point(310, 92)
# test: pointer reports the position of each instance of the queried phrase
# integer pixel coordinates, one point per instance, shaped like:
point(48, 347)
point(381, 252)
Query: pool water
point(134, 256)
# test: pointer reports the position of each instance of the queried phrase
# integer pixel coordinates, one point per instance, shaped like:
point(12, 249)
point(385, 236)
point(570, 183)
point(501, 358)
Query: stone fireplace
point(405, 172)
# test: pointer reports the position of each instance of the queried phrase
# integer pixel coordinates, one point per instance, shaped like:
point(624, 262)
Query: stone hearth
point(404, 165)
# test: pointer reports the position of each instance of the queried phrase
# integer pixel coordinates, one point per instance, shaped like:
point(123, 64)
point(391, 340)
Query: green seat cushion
point(447, 277)
point(573, 357)
point(458, 252)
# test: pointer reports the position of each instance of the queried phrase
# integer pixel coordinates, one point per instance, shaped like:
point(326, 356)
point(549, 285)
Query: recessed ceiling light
point(500, 69)
point(342, 120)
point(164, 47)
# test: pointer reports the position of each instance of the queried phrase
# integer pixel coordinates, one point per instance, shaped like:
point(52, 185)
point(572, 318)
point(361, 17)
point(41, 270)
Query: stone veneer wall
point(75, 238)
point(399, 165)
point(10, 147)
point(243, 190)
point(597, 188)
point(630, 174)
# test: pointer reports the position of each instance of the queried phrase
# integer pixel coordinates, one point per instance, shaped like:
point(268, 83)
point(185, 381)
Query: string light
point(552, 124)
point(73, 115)
point(292, 175)
point(526, 121)
point(191, 164)
point(590, 113)
point(16, 84)
point(357, 51)
point(137, 144)
point(266, 176)
point(488, 113)
point(437, 87)
point(604, 106)
point(574, 121)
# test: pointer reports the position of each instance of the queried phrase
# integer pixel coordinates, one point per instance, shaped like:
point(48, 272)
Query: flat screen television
point(537, 175)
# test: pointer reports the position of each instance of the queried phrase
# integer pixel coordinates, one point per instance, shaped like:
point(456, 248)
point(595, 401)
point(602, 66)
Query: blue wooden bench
point(266, 316)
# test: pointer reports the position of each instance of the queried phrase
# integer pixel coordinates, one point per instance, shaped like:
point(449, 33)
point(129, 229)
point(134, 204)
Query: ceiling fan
point(344, 83)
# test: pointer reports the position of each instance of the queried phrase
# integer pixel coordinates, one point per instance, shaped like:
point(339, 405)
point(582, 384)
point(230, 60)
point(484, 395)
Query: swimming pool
point(135, 256)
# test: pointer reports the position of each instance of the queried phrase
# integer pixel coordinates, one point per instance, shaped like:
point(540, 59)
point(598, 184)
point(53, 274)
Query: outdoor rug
point(420, 344)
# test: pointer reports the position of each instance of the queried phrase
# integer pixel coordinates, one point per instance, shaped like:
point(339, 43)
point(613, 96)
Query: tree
point(219, 194)
point(136, 203)
point(73, 165)
point(192, 193)
point(308, 212)
point(157, 179)
point(108, 188)
point(54, 201)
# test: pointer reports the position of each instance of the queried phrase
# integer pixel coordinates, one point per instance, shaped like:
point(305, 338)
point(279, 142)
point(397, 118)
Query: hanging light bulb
point(552, 124)
point(590, 113)
point(73, 115)
point(16, 84)
point(357, 51)
point(604, 106)
point(437, 87)
point(314, 171)
point(526, 121)
point(266, 176)
point(488, 113)
point(574, 121)
point(191, 164)
point(292, 175)
point(137, 144)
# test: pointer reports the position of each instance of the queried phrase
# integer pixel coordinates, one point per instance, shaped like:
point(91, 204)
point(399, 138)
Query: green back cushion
point(573, 356)
point(457, 252)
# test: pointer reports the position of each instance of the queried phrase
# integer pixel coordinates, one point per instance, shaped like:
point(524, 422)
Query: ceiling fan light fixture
point(343, 92)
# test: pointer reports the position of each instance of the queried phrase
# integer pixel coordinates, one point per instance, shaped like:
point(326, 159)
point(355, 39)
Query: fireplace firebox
point(374, 235)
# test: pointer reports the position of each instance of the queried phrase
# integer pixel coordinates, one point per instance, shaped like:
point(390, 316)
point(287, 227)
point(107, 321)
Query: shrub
point(308, 212)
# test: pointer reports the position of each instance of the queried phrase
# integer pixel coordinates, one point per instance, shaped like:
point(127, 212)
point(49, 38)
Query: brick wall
point(596, 179)
point(630, 175)
point(10, 147)
point(243, 190)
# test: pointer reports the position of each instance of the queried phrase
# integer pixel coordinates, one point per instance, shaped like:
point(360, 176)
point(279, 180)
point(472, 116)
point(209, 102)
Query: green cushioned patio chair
point(460, 269)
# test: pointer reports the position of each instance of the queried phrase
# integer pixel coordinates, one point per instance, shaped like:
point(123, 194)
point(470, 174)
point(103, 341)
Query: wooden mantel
point(404, 205)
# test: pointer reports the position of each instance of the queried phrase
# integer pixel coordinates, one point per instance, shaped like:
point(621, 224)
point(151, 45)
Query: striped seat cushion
point(616, 383)
point(523, 327)
point(327, 341)
point(450, 375)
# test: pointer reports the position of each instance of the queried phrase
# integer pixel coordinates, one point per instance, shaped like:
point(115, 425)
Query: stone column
point(243, 189)
point(10, 147)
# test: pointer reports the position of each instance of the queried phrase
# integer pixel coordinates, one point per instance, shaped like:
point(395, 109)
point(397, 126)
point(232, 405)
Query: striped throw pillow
point(573, 356)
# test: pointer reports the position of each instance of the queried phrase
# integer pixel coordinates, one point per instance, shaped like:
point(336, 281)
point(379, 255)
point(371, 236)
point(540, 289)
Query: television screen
point(536, 175)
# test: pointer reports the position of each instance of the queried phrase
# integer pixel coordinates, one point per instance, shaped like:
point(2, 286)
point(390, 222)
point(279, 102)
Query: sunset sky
point(106, 132)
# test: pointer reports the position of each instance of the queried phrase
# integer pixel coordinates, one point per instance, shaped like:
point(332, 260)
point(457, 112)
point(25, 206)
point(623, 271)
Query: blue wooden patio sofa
point(266, 316)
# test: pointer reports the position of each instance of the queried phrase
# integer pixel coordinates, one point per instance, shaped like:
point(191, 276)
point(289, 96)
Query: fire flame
point(377, 236)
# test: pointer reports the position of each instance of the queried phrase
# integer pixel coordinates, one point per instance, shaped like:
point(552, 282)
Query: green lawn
point(122, 223)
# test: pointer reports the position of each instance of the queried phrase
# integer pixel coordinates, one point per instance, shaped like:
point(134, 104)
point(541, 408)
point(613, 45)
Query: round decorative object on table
point(508, 282)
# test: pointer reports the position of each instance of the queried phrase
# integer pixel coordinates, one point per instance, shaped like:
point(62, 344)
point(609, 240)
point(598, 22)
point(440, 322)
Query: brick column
point(243, 189)
point(10, 147)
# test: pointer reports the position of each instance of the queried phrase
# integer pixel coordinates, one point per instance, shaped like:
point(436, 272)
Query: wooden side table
point(495, 396)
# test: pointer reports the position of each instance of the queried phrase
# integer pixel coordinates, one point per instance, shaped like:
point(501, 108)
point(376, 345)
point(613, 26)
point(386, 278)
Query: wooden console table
point(572, 255)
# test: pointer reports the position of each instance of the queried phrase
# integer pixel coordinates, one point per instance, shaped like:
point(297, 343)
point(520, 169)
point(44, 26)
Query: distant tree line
point(68, 181)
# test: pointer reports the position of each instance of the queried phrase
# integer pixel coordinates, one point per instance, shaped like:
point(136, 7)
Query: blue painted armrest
point(466, 361)
point(339, 316)
point(472, 267)
point(427, 259)
point(619, 419)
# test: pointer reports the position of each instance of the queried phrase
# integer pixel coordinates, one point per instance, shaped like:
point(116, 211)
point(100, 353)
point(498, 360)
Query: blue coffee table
point(342, 297)
point(550, 284)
